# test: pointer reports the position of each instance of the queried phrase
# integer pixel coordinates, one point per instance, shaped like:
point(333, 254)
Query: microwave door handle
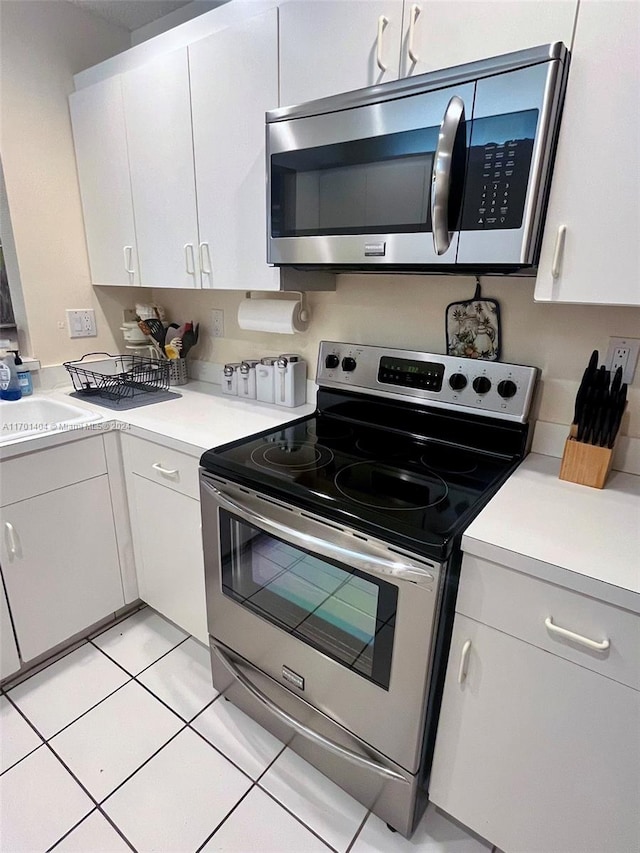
point(365, 562)
point(441, 174)
point(301, 729)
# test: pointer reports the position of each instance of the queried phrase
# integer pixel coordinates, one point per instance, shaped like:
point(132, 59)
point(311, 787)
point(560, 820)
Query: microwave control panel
point(498, 173)
point(492, 388)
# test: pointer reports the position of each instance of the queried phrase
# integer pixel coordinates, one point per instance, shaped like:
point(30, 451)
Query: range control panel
point(493, 388)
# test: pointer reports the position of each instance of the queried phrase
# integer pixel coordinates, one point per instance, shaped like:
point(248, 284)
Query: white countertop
point(582, 538)
point(201, 418)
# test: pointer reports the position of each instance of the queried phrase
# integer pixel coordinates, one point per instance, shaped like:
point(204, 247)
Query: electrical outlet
point(623, 352)
point(81, 323)
point(129, 315)
point(217, 317)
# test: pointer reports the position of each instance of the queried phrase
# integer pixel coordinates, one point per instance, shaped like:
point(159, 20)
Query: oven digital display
point(426, 375)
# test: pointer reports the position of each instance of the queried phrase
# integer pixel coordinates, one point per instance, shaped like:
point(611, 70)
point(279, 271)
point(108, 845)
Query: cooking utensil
point(158, 332)
point(172, 349)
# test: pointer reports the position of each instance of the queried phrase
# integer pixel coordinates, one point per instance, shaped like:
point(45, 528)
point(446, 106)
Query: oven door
point(377, 184)
point(343, 621)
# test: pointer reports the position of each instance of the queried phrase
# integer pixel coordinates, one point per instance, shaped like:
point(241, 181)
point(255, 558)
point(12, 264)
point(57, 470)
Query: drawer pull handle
point(558, 252)
point(12, 542)
point(464, 659)
point(168, 472)
point(601, 646)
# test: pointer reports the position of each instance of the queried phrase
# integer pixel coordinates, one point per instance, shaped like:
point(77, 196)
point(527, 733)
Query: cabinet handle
point(382, 23)
point(168, 472)
point(413, 17)
point(464, 659)
point(601, 646)
point(558, 252)
point(189, 255)
point(12, 542)
point(128, 260)
point(204, 252)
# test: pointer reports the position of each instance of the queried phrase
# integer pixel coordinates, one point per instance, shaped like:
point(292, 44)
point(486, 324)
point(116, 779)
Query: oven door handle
point(366, 562)
point(301, 729)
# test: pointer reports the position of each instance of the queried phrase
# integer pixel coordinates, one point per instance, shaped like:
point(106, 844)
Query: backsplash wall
point(409, 312)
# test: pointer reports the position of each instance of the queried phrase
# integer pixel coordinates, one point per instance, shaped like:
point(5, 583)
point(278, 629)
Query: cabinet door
point(60, 564)
point(442, 33)
point(534, 752)
point(168, 548)
point(595, 192)
point(332, 46)
point(99, 136)
point(158, 118)
point(9, 660)
point(229, 148)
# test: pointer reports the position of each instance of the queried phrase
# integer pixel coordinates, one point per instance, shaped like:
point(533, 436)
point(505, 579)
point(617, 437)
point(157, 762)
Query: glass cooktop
point(418, 492)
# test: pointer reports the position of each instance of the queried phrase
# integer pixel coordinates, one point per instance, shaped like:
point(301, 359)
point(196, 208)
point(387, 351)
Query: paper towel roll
point(281, 316)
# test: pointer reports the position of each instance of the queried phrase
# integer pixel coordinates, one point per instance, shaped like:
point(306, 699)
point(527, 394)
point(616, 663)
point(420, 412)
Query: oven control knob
point(348, 364)
point(507, 388)
point(331, 361)
point(458, 381)
point(481, 384)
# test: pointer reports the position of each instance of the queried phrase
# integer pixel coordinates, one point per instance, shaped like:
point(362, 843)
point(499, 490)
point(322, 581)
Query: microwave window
point(366, 186)
point(344, 614)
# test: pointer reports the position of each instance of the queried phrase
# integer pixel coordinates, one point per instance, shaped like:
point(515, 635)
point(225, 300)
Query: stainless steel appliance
point(332, 558)
point(444, 171)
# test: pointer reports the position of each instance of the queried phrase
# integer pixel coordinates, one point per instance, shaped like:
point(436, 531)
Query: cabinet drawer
point(161, 465)
point(39, 472)
point(519, 604)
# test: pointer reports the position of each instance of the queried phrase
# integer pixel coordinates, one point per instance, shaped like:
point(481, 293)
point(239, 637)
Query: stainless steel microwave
point(446, 171)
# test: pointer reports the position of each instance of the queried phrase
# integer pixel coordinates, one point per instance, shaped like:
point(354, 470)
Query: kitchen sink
point(40, 415)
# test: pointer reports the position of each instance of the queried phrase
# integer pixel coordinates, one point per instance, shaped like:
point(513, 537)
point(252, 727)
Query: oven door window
point(378, 185)
point(344, 613)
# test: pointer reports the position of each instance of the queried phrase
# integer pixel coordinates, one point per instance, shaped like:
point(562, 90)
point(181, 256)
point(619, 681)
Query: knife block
point(585, 464)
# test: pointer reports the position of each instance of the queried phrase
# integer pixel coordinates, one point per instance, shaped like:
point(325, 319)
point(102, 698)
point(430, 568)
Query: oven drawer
point(540, 612)
point(368, 775)
point(170, 468)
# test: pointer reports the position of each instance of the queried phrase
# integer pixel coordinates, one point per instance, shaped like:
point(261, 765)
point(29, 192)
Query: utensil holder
point(585, 464)
point(178, 371)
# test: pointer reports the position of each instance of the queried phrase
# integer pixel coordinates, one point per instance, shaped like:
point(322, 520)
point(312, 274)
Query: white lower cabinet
point(536, 753)
point(9, 660)
point(165, 526)
point(60, 562)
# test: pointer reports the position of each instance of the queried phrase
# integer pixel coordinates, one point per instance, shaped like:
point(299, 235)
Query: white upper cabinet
point(332, 46)
point(158, 119)
point(590, 251)
point(229, 148)
point(100, 141)
point(441, 33)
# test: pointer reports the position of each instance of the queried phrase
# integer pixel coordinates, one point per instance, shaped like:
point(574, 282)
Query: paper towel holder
point(304, 314)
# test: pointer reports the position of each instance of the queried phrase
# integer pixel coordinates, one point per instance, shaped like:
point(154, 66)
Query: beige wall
point(409, 311)
point(43, 43)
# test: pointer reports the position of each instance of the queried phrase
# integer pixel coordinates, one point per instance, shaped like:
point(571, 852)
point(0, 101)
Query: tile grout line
point(358, 831)
point(46, 744)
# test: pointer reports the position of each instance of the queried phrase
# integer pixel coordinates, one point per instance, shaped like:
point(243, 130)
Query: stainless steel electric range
point(332, 556)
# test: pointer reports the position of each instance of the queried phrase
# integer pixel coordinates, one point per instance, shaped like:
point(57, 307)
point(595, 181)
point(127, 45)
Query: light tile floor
point(123, 744)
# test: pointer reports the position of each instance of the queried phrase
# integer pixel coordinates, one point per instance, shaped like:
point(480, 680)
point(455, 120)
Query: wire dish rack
point(118, 377)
